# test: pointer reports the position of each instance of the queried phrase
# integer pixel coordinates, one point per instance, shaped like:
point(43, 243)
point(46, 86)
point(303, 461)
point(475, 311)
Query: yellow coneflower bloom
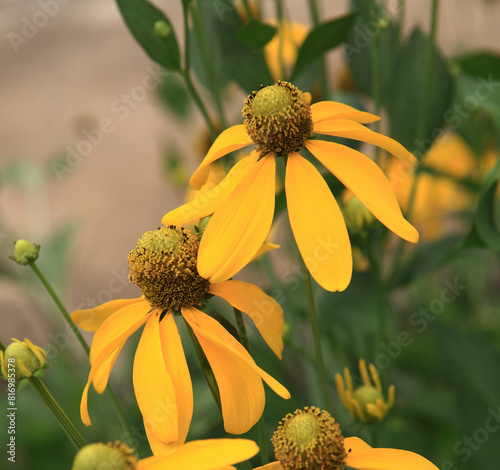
point(280, 122)
point(311, 438)
point(209, 454)
point(163, 265)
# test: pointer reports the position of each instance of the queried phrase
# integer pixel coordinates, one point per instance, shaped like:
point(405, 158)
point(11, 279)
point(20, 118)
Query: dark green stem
point(74, 328)
point(69, 428)
point(315, 15)
point(205, 366)
point(317, 339)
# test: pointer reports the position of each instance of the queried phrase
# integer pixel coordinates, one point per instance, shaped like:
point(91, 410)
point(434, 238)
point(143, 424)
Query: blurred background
point(90, 154)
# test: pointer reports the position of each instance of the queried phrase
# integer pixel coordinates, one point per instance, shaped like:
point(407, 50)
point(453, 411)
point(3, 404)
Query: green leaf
point(487, 221)
point(256, 34)
point(322, 38)
point(173, 93)
point(405, 100)
point(480, 64)
point(153, 31)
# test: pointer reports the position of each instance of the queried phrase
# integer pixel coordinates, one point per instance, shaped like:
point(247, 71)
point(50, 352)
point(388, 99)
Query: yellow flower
point(163, 265)
point(365, 403)
point(311, 438)
point(280, 122)
point(209, 454)
point(21, 359)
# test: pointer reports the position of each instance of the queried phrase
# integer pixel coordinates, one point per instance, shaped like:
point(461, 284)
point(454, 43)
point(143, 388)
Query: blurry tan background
point(62, 82)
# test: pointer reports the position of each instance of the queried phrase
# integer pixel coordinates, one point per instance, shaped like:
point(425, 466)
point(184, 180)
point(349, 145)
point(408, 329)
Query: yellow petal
point(176, 366)
point(353, 130)
point(270, 466)
point(208, 201)
point(265, 312)
point(329, 110)
point(209, 454)
point(240, 225)
point(317, 225)
point(367, 181)
point(363, 457)
point(153, 386)
point(91, 319)
point(111, 335)
point(265, 248)
point(231, 139)
point(238, 377)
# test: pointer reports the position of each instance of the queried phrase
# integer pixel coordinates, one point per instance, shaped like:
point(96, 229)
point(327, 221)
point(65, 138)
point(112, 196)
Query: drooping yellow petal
point(240, 225)
point(328, 110)
point(367, 181)
point(363, 457)
point(209, 454)
point(91, 319)
point(265, 312)
point(176, 366)
point(111, 337)
point(208, 201)
point(265, 248)
point(231, 139)
point(153, 386)
point(238, 377)
point(353, 130)
point(317, 225)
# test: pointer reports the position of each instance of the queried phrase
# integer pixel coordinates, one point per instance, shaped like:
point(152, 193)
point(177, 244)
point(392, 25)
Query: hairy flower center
point(309, 439)
point(112, 456)
point(163, 266)
point(278, 119)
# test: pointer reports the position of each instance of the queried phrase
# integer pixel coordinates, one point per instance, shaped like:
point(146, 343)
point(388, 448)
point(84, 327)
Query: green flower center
point(278, 119)
point(111, 456)
point(309, 439)
point(163, 266)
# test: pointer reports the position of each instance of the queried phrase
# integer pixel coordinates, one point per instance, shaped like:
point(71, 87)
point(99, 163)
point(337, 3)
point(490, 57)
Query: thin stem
point(68, 427)
point(61, 307)
point(205, 366)
point(248, 10)
point(74, 328)
point(316, 335)
point(315, 15)
point(279, 16)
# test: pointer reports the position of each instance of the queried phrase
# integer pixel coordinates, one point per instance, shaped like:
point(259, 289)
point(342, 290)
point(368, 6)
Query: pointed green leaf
point(153, 31)
point(256, 34)
point(480, 64)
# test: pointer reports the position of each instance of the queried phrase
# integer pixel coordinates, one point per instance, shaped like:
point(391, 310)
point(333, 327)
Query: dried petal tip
point(25, 252)
point(278, 118)
point(366, 402)
point(22, 358)
point(111, 456)
point(309, 439)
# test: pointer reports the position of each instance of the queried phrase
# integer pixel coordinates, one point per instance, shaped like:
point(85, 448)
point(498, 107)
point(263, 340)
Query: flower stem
point(74, 328)
point(315, 15)
point(68, 427)
point(317, 340)
point(205, 366)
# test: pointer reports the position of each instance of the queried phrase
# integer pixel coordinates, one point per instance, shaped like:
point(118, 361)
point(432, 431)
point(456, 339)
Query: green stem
point(280, 19)
point(317, 340)
point(205, 366)
point(61, 307)
point(74, 328)
point(315, 15)
point(68, 427)
point(248, 10)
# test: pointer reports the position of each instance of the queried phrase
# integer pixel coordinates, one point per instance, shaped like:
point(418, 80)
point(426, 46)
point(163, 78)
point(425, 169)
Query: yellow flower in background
point(366, 402)
point(280, 122)
point(439, 196)
point(163, 266)
point(311, 438)
point(209, 454)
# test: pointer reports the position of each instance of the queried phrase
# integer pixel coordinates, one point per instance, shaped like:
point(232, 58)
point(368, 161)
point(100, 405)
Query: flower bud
point(25, 252)
point(25, 357)
point(111, 456)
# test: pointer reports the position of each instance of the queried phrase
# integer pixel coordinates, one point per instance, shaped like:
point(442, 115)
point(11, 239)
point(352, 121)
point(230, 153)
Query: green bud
point(162, 29)
point(23, 357)
point(25, 252)
point(112, 456)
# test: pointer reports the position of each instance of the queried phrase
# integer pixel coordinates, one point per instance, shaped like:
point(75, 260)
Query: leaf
point(480, 64)
point(405, 95)
point(256, 34)
point(487, 223)
point(173, 93)
point(153, 31)
point(321, 39)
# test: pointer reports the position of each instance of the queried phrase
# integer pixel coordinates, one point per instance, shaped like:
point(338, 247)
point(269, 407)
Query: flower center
point(309, 439)
point(163, 266)
point(278, 119)
point(112, 456)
